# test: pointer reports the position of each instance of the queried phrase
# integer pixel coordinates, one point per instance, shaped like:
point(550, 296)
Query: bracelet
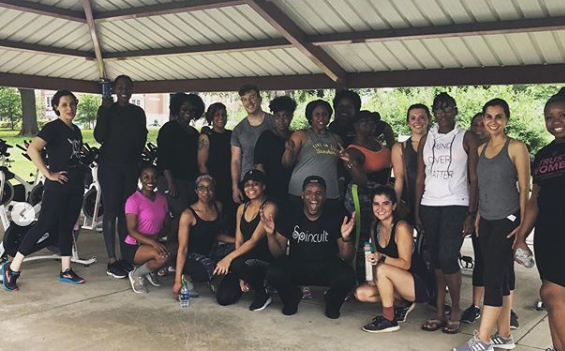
point(471, 213)
point(382, 259)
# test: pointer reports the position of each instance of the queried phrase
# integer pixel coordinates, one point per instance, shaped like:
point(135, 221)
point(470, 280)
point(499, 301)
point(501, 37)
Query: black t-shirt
point(311, 240)
point(177, 150)
point(122, 132)
point(269, 150)
point(219, 162)
point(63, 145)
point(548, 172)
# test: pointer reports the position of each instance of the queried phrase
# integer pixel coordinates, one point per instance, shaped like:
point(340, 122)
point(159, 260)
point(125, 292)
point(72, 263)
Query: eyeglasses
point(447, 109)
point(202, 188)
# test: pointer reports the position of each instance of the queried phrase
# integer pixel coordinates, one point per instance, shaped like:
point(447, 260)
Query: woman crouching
point(395, 280)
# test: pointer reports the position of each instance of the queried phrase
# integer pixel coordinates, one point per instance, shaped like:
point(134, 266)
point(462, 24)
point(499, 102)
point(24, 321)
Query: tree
point(29, 113)
point(88, 109)
point(10, 106)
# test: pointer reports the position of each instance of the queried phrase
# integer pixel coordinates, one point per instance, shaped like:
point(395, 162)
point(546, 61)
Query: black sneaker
point(514, 324)
point(125, 266)
point(471, 314)
point(261, 301)
point(116, 271)
point(69, 276)
point(400, 313)
point(294, 299)
point(381, 325)
point(9, 278)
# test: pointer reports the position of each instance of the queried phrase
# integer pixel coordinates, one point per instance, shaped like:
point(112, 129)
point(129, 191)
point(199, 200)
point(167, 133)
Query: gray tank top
point(498, 191)
point(318, 156)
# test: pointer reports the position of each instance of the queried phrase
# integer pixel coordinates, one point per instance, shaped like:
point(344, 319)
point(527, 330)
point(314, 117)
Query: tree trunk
point(29, 113)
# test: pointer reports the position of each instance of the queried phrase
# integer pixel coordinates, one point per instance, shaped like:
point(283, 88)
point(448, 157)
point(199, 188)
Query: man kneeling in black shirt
point(319, 242)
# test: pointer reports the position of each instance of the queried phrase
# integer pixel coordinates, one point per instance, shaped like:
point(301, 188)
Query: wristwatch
point(382, 259)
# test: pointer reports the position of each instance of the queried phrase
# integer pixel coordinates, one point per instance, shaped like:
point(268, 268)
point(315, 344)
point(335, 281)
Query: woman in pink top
point(147, 221)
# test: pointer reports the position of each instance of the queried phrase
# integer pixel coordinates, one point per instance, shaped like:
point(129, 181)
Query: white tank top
point(445, 160)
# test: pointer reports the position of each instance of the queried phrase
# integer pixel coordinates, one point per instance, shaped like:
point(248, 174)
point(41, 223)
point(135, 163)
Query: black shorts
point(421, 294)
point(128, 252)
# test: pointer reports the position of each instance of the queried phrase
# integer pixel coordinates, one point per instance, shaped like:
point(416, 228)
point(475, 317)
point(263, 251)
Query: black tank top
point(203, 233)
point(261, 250)
point(391, 250)
point(411, 157)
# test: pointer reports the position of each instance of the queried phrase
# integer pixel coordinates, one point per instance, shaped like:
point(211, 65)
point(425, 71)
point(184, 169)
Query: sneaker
point(514, 324)
point(400, 313)
point(125, 266)
point(501, 342)
point(261, 301)
point(114, 270)
point(162, 272)
point(471, 314)
point(137, 283)
point(292, 306)
point(191, 289)
point(381, 325)
point(9, 278)
point(153, 279)
point(306, 293)
point(69, 276)
point(475, 344)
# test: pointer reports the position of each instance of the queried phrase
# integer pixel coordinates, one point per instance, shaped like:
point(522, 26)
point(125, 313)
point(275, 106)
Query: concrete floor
point(105, 314)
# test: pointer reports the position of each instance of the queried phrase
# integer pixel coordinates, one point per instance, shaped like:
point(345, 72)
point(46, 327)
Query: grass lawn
point(24, 168)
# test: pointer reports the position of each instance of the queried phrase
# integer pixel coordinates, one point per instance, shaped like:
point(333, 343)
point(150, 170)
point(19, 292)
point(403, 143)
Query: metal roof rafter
point(94, 36)
point(296, 36)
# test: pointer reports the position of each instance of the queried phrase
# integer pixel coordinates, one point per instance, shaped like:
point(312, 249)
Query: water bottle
point(368, 249)
point(524, 258)
point(184, 296)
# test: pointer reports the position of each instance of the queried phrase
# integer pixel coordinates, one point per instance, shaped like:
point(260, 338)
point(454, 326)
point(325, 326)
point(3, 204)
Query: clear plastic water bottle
point(524, 258)
point(184, 296)
point(368, 249)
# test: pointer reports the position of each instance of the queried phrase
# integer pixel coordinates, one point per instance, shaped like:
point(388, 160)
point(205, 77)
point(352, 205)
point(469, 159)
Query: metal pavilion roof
point(216, 45)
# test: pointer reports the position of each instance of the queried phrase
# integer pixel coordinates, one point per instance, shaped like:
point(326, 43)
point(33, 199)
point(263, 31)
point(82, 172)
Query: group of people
point(264, 208)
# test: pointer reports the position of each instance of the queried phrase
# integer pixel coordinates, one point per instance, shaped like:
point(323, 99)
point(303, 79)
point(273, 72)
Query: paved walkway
point(105, 314)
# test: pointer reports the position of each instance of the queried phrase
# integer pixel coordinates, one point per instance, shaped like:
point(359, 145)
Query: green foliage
point(87, 110)
point(526, 107)
point(10, 106)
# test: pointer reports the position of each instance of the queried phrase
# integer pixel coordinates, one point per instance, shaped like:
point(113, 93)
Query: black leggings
point(286, 274)
point(117, 183)
point(251, 270)
point(479, 267)
point(498, 258)
point(59, 212)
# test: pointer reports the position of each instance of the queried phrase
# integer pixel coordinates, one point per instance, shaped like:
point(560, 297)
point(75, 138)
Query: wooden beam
point(202, 49)
point(445, 31)
point(94, 36)
point(44, 10)
point(536, 74)
point(164, 9)
point(50, 83)
point(294, 34)
point(42, 49)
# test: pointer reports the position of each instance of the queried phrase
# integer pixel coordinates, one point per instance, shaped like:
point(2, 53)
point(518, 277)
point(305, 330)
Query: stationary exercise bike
point(92, 206)
point(23, 191)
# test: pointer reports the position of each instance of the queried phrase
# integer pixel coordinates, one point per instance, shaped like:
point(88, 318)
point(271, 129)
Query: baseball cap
point(313, 179)
point(253, 174)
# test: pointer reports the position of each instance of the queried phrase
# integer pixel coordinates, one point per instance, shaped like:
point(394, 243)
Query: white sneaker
point(475, 344)
point(137, 283)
